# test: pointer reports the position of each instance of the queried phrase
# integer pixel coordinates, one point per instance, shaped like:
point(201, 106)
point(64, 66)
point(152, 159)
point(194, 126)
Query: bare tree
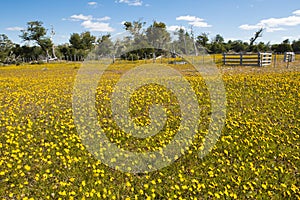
point(256, 36)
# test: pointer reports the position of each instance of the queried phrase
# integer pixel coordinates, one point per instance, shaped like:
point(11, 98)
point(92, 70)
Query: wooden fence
point(258, 59)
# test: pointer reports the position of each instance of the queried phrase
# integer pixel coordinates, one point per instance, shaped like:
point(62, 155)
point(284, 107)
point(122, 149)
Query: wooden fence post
point(241, 59)
point(275, 59)
point(259, 61)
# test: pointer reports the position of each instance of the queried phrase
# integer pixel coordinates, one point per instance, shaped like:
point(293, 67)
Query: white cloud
point(194, 21)
point(103, 18)
point(97, 26)
point(92, 3)
point(296, 12)
point(271, 30)
point(250, 27)
point(188, 18)
point(275, 24)
point(286, 21)
point(132, 2)
point(15, 28)
point(200, 24)
point(174, 28)
point(93, 24)
point(81, 17)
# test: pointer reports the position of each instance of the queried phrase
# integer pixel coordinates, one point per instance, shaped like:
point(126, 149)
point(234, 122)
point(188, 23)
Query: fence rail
point(259, 59)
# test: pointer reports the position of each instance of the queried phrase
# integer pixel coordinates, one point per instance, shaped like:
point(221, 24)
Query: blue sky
point(233, 19)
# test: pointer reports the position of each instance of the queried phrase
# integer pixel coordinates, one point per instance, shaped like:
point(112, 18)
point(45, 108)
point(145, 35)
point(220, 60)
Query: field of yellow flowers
point(256, 157)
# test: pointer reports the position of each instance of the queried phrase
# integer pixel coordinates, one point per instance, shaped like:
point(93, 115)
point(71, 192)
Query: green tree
point(137, 40)
point(237, 46)
point(184, 44)
point(217, 46)
point(285, 46)
point(202, 39)
point(134, 28)
point(6, 46)
point(66, 51)
point(81, 44)
point(27, 53)
point(218, 39)
point(87, 40)
point(136, 44)
point(157, 35)
point(262, 47)
point(286, 41)
point(37, 33)
point(75, 41)
point(84, 41)
point(105, 45)
point(296, 45)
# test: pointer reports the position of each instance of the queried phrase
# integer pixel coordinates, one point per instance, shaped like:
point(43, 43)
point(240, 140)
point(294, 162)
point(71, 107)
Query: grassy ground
point(256, 157)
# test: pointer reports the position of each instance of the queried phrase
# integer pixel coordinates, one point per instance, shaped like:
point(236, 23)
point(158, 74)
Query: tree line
point(141, 43)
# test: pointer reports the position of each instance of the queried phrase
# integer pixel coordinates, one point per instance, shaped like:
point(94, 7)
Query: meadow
point(256, 157)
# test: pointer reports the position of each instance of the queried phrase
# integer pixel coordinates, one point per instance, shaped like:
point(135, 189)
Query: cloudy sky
point(233, 19)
